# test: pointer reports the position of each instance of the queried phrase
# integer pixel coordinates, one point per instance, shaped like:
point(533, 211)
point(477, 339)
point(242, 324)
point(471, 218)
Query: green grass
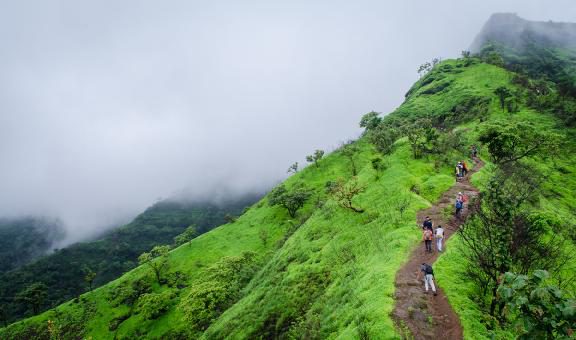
point(330, 272)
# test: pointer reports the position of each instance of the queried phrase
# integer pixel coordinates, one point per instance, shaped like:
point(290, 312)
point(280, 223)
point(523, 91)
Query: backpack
point(458, 204)
point(428, 270)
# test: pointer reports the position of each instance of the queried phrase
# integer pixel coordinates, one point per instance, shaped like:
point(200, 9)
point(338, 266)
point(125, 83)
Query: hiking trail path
point(424, 316)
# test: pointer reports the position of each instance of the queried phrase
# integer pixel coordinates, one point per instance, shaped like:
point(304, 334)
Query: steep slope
point(63, 271)
point(329, 272)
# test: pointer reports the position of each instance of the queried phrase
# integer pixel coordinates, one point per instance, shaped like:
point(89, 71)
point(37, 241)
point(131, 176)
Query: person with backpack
point(428, 272)
point(464, 169)
point(427, 235)
point(457, 173)
point(459, 205)
point(439, 237)
point(427, 224)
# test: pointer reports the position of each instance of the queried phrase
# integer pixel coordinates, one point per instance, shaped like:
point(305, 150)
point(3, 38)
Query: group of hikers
point(429, 233)
point(462, 168)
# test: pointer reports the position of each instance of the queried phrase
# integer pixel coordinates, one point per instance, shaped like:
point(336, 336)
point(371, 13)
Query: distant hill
point(25, 239)
point(113, 254)
point(514, 32)
point(538, 49)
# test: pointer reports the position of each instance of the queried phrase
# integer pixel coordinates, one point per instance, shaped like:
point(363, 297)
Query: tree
point(318, 154)
point(511, 142)
point(424, 68)
point(383, 138)
point(539, 311)
point(291, 200)
point(465, 54)
point(157, 260)
point(344, 192)
point(293, 168)
point(34, 296)
point(187, 236)
point(371, 120)
point(378, 165)
point(89, 276)
point(349, 151)
point(502, 92)
point(422, 137)
point(505, 235)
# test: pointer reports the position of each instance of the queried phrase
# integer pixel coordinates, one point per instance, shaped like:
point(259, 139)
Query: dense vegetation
point(68, 272)
point(317, 257)
point(25, 239)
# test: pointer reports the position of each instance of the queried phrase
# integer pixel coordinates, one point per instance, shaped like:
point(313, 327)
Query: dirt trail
point(424, 316)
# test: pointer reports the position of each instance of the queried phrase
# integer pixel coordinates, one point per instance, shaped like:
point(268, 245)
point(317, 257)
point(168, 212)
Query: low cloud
point(107, 106)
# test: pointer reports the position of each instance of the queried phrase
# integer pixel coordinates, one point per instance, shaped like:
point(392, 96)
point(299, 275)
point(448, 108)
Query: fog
point(106, 106)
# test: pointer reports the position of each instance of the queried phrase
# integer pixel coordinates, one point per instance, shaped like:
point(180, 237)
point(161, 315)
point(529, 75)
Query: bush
point(153, 305)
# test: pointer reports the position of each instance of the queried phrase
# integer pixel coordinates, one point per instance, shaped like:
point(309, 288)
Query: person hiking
point(427, 224)
point(459, 205)
point(457, 173)
point(428, 273)
point(474, 152)
point(427, 235)
point(439, 238)
point(460, 196)
point(464, 169)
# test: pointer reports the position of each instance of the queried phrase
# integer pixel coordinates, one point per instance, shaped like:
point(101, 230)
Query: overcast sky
point(105, 106)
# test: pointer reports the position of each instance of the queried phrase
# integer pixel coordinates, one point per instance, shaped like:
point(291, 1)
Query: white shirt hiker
point(439, 237)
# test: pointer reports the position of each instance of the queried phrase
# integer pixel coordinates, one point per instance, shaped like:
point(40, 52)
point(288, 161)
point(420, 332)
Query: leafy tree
point(89, 276)
point(293, 168)
point(539, 311)
point(318, 154)
point(511, 142)
point(422, 137)
point(218, 290)
point(504, 235)
point(187, 236)
point(153, 305)
point(344, 192)
point(34, 296)
point(349, 151)
point(383, 138)
point(371, 120)
point(157, 260)
point(291, 200)
point(503, 92)
point(424, 68)
point(378, 165)
point(466, 54)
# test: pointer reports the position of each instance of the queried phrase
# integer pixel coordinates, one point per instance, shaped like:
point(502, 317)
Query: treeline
point(25, 239)
point(69, 272)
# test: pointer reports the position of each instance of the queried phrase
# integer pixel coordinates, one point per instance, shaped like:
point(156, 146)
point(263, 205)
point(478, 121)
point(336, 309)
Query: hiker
point(457, 172)
point(474, 152)
point(439, 237)
point(427, 235)
point(460, 196)
point(459, 205)
point(464, 169)
point(427, 224)
point(428, 272)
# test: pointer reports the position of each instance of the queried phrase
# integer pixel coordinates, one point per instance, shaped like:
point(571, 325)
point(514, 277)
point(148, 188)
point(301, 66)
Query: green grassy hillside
point(328, 272)
point(63, 272)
